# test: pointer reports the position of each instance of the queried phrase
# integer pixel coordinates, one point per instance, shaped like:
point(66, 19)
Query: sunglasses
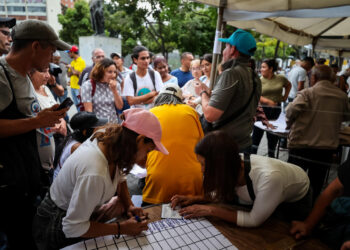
point(6, 33)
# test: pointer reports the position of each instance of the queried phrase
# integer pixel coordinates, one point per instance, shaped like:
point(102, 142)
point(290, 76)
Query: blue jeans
point(47, 226)
point(75, 93)
point(62, 98)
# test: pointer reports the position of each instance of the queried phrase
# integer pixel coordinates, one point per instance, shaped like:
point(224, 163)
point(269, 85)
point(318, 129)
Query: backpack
point(134, 82)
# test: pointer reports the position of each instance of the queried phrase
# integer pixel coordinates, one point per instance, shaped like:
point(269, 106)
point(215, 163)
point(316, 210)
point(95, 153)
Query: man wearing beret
point(33, 45)
point(232, 103)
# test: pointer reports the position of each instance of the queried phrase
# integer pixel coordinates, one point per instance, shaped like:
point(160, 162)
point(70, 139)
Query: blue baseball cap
point(243, 40)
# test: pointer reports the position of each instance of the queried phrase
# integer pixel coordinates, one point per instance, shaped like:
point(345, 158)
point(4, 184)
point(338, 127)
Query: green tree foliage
point(196, 32)
point(123, 19)
point(75, 22)
point(266, 47)
point(163, 25)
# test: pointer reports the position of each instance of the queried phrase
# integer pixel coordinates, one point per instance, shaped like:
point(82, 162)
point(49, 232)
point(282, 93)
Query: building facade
point(45, 10)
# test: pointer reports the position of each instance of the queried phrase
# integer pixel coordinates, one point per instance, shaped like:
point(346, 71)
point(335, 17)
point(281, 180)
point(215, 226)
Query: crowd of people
point(64, 177)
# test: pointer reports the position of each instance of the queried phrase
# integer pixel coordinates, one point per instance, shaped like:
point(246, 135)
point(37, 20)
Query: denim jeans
point(62, 98)
point(47, 226)
point(76, 97)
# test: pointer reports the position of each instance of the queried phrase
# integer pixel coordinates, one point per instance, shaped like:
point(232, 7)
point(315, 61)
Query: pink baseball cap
point(145, 123)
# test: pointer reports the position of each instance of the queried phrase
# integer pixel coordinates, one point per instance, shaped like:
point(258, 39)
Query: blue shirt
point(181, 76)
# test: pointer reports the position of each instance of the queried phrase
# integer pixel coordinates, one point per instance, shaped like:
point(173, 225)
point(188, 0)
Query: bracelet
point(204, 91)
point(118, 236)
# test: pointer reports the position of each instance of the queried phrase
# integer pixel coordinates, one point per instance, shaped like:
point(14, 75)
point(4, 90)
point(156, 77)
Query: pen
point(137, 218)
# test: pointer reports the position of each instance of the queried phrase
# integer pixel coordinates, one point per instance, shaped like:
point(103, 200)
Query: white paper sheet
point(168, 212)
point(164, 234)
point(280, 125)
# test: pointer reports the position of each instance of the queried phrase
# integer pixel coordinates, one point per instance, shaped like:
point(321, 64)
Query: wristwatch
point(204, 91)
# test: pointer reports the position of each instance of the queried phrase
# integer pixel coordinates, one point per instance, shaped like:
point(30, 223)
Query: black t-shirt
point(344, 176)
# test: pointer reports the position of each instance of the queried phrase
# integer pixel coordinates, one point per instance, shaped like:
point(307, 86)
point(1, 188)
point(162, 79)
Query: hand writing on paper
point(269, 125)
point(195, 211)
point(133, 227)
point(132, 211)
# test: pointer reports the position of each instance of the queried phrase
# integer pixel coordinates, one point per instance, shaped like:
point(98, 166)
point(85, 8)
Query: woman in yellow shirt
point(179, 172)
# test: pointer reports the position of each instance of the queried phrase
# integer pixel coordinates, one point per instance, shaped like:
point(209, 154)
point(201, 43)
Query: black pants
point(17, 210)
point(47, 226)
point(298, 210)
point(272, 113)
point(316, 162)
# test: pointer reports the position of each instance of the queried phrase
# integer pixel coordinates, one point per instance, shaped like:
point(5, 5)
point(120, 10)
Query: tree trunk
point(276, 48)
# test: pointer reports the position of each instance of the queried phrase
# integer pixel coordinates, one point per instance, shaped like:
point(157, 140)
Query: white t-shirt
point(125, 72)
point(204, 79)
point(82, 186)
point(173, 79)
point(297, 74)
point(44, 136)
point(144, 86)
point(66, 152)
point(274, 182)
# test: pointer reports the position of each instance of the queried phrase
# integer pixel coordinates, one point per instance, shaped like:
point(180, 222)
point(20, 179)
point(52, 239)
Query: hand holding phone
point(65, 104)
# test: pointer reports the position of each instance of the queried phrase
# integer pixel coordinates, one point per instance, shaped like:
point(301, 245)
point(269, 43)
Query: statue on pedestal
point(97, 19)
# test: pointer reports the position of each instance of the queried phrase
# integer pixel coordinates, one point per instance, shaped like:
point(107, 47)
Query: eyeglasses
point(207, 65)
point(99, 57)
point(196, 68)
point(144, 58)
point(6, 33)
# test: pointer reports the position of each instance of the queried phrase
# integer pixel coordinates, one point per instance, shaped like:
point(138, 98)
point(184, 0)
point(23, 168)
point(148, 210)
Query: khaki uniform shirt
point(231, 92)
point(315, 116)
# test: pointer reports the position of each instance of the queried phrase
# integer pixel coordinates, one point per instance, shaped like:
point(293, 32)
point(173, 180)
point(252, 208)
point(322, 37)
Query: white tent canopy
point(276, 5)
point(323, 23)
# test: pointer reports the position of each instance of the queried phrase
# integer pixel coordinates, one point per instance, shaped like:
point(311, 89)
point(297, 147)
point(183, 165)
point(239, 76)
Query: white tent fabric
point(276, 5)
point(324, 23)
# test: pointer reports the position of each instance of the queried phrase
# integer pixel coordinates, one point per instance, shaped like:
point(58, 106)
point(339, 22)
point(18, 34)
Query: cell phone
point(65, 104)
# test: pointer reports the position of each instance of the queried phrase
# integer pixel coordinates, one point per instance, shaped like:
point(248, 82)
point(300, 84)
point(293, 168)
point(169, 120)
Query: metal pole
point(217, 44)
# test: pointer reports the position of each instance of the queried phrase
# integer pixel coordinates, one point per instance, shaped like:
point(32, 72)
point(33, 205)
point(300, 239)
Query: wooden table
point(273, 234)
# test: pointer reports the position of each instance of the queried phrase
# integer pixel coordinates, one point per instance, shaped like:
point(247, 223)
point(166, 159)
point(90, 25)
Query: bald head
point(323, 72)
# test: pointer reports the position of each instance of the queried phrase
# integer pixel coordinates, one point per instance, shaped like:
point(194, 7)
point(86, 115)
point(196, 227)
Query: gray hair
point(166, 98)
point(94, 51)
point(323, 72)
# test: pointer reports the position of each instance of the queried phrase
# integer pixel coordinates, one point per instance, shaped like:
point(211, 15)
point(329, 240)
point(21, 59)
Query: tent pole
point(217, 43)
